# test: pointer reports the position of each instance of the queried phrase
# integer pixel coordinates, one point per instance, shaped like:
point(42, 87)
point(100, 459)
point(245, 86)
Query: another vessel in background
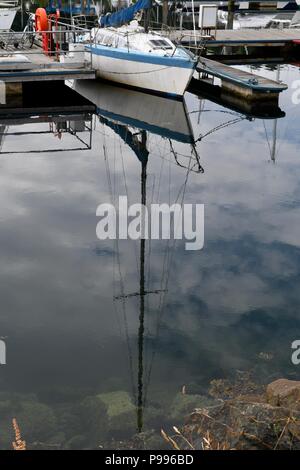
point(8, 11)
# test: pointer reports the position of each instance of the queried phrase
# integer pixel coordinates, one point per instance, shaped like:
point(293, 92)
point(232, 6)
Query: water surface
point(71, 323)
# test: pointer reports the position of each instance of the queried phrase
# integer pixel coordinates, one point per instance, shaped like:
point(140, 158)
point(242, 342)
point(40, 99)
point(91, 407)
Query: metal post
point(91, 49)
point(194, 22)
point(71, 12)
point(231, 8)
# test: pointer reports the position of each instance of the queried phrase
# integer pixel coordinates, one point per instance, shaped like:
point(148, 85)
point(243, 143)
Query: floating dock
point(240, 37)
point(241, 83)
point(34, 65)
point(27, 56)
point(250, 109)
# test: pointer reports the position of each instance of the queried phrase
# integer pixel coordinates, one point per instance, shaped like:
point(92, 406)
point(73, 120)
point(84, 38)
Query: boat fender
point(41, 20)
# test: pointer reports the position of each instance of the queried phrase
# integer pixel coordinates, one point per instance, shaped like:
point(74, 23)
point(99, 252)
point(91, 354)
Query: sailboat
point(125, 52)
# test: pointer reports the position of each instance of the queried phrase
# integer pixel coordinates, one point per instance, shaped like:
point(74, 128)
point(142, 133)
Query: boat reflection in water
point(152, 113)
point(134, 117)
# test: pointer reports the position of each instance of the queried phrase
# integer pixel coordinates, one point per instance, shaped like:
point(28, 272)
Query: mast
point(165, 12)
point(140, 149)
point(274, 144)
point(140, 398)
point(147, 16)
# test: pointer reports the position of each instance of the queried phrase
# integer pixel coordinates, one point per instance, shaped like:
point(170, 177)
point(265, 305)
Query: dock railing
point(57, 44)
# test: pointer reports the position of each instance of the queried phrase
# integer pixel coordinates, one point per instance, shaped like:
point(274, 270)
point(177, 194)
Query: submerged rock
point(94, 422)
point(37, 421)
point(184, 404)
point(117, 403)
point(121, 413)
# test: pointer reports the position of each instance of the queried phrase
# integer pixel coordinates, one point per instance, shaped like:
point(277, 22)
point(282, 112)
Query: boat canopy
point(123, 16)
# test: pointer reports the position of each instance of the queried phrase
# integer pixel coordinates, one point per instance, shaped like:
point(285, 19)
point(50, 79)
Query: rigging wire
point(123, 303)
point(163, 292)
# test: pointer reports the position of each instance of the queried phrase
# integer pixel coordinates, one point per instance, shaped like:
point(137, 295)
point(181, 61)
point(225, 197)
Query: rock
point(283, 392)
point(153, 417)
point(249, 420)
point(37, 421)
point(121, 413)
point(155, 442)
point(6, 435)
point(94, 419)
point(117, 403)
point(242, 384)
point(75, 443)
point(237, 424)
point(183, 404)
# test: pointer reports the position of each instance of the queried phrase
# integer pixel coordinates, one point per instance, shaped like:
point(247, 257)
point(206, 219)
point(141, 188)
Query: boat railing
point(83, 21)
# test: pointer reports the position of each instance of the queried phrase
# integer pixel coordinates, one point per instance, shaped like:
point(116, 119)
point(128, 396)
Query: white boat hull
point(160, 78)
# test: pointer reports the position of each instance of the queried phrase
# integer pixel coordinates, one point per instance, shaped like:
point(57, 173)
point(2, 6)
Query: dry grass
point(18, 443)
point(287, 426)
point(178, 439)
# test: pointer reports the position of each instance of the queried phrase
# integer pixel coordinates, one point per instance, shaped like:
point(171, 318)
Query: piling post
point(231, 8)
point(11, 94)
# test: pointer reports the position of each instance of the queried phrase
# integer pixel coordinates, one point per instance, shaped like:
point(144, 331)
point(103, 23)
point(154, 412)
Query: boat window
point(160, 44)
point(122, 42)
point(108, 40)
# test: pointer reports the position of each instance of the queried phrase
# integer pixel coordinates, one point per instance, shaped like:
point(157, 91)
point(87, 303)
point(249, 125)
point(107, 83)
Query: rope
point(135, 73)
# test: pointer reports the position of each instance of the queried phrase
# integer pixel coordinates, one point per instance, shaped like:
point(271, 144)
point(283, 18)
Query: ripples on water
point(72, 375)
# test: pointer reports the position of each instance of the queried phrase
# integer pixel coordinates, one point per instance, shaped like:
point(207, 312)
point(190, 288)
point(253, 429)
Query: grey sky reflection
point(224, 304)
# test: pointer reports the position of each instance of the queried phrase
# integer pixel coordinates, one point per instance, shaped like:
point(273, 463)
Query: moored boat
point(134, 56)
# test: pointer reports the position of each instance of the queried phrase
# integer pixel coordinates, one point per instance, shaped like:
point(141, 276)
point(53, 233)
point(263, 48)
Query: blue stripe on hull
point(164, 132)
point(134, 56)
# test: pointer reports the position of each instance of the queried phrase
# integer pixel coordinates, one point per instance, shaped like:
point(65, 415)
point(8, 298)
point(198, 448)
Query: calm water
point(74, 372)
